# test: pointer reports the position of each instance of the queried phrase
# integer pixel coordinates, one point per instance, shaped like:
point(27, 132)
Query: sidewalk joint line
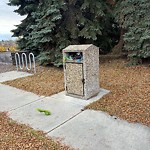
point(26, 104)
point(65, 122)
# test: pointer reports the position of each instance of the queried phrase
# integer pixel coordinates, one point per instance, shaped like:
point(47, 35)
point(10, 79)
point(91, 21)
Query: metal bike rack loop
point(25, 63)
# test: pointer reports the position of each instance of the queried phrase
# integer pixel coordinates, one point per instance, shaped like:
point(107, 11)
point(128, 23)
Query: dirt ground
point(129, 98)
point(15, 136)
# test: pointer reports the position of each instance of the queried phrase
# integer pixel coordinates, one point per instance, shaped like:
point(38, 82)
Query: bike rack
point(25, 64)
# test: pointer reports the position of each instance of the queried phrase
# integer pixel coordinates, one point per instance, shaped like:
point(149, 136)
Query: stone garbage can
point(81, 70)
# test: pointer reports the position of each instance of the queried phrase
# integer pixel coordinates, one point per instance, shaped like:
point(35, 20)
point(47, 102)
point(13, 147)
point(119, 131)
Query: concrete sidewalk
point(12, 98)
point(22, 107)
point(13, 75)
point(83, 130)
point(96, 130)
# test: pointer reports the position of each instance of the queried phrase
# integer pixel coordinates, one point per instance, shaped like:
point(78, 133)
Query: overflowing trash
point(74, 56)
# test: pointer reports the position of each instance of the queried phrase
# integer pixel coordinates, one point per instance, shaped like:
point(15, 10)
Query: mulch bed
point(129, 98)
point(15, 136)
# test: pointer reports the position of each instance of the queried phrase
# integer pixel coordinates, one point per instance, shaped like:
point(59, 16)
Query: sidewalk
point(83, 130)
point(12, 75)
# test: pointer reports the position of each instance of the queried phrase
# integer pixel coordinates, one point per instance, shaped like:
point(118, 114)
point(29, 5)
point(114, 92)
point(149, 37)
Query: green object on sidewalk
point(46, 112)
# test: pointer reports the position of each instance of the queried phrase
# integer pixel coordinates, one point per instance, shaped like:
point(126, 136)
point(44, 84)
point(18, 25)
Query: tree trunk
point(117, 50)
point(112, 2)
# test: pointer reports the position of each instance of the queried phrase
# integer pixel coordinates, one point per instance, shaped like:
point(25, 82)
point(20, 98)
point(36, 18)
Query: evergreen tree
point(63, 22)
point(133, 17)
point(51, 25)
point(25, 7)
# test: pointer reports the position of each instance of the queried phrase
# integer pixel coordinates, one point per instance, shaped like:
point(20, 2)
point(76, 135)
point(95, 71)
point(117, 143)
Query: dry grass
point(130, 89)
point(15, 136)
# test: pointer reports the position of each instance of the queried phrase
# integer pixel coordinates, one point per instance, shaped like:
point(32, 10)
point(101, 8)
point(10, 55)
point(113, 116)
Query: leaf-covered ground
point(47, 81)
point(129, 98)
point(15, 136)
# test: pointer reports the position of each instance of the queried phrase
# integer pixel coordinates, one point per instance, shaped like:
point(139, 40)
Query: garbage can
point(81, 70)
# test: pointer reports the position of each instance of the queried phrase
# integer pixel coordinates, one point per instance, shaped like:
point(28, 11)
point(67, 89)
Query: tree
point(25, 7)
point(54, 24)
point(133, 17)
